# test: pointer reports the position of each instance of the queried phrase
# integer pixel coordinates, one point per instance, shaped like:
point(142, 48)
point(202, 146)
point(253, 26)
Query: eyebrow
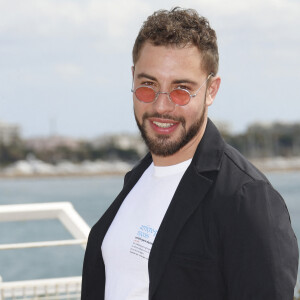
point(178, 81)
point(144, 75)
point(185, 81)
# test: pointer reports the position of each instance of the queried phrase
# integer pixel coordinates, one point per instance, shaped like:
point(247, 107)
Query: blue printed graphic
point(146, 231)
point(143, 240)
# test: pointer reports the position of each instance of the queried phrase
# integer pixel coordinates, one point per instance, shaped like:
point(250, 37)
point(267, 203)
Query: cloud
point(68, 71)
point(116, 21)
point(48, 17)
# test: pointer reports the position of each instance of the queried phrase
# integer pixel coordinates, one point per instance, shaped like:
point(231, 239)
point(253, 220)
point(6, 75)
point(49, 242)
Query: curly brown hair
point(180, 27)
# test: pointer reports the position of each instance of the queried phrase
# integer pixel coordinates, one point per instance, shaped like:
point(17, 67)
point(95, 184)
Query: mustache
point(164, 116)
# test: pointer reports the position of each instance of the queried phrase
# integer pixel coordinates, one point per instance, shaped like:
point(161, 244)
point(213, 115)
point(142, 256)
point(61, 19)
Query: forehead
point(170, 61)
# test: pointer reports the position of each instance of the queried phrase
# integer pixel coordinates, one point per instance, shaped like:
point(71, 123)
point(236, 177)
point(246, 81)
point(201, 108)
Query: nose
point(163, 103)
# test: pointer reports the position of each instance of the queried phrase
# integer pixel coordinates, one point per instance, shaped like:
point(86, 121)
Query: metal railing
point(48, 289)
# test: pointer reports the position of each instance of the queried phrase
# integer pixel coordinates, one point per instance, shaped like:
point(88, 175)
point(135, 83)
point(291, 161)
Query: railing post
point(0, 288)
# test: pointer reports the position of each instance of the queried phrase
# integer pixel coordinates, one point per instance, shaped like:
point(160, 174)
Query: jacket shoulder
point(242, 166)
point(237, 175)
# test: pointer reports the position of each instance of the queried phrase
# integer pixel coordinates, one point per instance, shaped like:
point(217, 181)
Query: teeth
point(163, 125)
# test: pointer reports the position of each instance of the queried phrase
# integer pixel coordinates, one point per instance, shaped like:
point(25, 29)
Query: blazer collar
point(208, 155)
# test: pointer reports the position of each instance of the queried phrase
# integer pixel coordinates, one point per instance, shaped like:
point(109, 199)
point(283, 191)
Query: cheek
point(194, 114)
point(191, 112)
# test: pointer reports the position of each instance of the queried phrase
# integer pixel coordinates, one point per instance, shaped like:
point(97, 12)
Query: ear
point(132, 71)
point(212, 90)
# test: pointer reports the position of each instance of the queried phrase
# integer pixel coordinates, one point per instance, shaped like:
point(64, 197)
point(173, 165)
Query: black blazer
point(226, 234)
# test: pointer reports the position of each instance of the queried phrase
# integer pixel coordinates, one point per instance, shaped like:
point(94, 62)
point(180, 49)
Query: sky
point(65, 64)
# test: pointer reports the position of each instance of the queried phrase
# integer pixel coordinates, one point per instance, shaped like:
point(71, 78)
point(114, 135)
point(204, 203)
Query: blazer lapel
point(190, 192)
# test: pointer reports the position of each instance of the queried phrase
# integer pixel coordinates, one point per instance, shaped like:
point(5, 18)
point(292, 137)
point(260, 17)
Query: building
point(9, 133)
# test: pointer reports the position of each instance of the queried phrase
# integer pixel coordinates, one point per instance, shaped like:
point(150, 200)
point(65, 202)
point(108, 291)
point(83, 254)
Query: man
point(194, 220)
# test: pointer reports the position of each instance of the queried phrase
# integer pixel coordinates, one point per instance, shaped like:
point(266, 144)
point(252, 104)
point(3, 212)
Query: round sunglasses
point(179, 96)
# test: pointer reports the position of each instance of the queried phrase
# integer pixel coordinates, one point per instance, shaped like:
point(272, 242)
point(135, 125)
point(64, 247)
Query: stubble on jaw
point(162, 145)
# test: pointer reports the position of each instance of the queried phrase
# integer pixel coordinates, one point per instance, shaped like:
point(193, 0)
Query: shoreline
point(38, 169)
point(277, 164)
point(61, 175)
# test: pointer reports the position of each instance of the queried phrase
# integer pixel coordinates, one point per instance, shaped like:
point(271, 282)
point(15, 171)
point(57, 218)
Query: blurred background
point(66, 105)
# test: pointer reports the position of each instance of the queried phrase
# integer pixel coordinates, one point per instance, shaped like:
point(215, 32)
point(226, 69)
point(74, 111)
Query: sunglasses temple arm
point(210, 75)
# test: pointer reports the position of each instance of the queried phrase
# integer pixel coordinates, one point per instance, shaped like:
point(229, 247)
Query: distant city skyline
point(65, 65)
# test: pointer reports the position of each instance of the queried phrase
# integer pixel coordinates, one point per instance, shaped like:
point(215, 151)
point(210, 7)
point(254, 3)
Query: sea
point(90, 196)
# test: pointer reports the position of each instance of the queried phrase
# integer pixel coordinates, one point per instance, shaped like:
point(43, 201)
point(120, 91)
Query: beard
point(162, 144)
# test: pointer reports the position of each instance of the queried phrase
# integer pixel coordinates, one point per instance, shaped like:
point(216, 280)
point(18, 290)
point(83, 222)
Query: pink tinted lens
point(145, 94)
point(180, 97)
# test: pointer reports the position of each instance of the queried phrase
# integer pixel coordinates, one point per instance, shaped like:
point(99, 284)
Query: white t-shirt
point(129, 239)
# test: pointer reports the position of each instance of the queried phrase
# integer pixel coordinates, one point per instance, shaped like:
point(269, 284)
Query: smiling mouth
point(163, 125)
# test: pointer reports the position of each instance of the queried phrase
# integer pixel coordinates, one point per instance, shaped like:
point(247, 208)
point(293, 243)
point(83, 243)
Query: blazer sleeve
point(93, 273)
point(260, 249)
